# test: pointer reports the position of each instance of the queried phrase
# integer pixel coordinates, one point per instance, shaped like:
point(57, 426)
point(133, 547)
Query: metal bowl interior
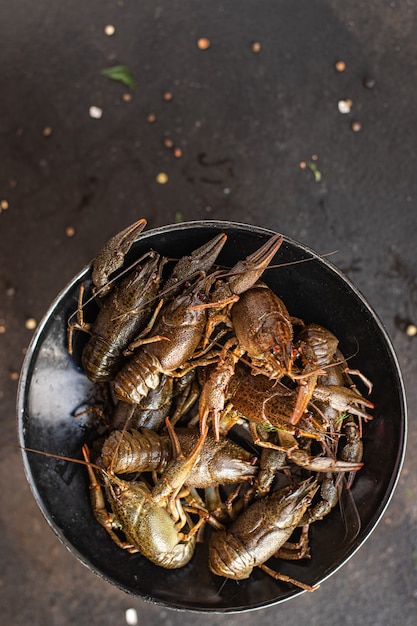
point(53, 387)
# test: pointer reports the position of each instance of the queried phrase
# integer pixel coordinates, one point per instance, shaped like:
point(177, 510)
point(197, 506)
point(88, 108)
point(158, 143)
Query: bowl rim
point(163, 230)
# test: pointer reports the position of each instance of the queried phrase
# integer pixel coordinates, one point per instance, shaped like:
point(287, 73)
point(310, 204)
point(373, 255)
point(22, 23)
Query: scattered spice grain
point(162, 178)
point(203, 43)
point(109, 30)
point(168, 143)
point(411, 330)
point(30, 323)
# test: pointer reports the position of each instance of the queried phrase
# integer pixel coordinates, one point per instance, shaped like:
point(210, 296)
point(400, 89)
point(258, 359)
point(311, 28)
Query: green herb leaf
point(178, 217)
point(342, 416)
point(122, 74)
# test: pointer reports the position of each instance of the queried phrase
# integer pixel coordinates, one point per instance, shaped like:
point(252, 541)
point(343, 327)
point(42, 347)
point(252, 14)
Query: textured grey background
point(244, 122)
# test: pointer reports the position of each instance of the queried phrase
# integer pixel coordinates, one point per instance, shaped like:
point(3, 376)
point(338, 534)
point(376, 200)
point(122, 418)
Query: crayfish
point(269, 420)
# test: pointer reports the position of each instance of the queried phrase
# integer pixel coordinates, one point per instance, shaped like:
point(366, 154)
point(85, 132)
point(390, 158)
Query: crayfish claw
point(112, 255)
point(343, 399)
point(200, 260)
point(321, 464)
point(245, 273)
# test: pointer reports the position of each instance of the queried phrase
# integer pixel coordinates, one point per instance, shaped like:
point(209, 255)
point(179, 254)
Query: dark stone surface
point(244, 122)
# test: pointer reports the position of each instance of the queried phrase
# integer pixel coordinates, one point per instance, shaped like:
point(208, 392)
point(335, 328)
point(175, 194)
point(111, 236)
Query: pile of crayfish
point(185, 354)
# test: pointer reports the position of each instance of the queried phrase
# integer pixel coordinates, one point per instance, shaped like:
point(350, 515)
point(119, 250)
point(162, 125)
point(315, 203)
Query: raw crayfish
point(225, 338)
point(259, 533)
point(148, 527)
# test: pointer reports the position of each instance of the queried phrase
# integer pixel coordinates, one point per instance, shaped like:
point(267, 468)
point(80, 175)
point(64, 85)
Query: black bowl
point(53, 387)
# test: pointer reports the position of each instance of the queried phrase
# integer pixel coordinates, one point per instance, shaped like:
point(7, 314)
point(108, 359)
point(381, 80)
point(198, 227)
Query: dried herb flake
point(316, 172)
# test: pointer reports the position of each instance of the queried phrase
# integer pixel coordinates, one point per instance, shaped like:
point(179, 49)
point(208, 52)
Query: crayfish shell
point(100, 360)
point(140, 374)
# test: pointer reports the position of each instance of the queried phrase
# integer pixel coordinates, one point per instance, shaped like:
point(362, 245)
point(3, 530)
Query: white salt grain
point(95, 112)
point(344, 106)
point(131, 616)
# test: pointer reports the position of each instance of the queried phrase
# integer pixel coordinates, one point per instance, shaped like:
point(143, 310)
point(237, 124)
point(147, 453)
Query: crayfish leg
point(304, 395)
point(287, 579)
point(294, 551)
point(142, 339)
point(258, 441)
point(102, 515)
point(80, 324)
